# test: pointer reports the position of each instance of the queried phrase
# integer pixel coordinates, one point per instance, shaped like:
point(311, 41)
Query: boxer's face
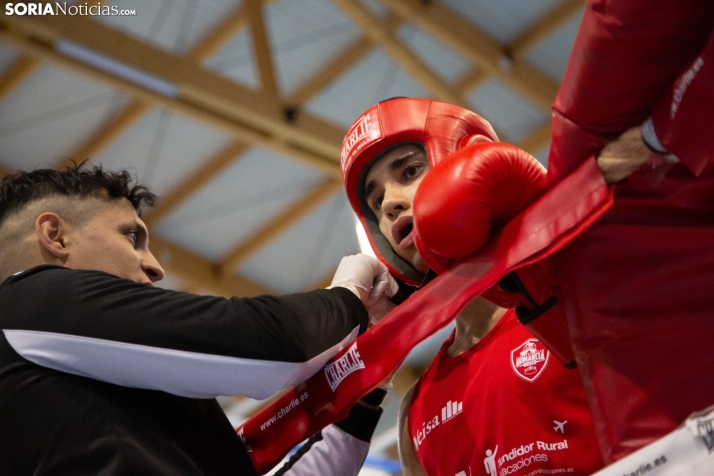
point(390, 186)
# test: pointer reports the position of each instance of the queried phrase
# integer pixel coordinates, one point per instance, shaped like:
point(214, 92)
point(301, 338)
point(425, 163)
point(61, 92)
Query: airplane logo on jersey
point(559, 426)
point(530, 359)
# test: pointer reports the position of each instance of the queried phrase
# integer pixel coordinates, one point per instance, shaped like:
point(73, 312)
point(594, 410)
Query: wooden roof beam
point(470, 81)
point(482, 50)
point(550, 22)
point(249, 116)
point(195, 181)
point(205, 47)
point(199, 273)
point(20, 70)
point(109, 132)
point(278, 225)
point(386, 38)
point(219, 37)
point(537, 139)
point(261, 47)
point(324, 281)
point(131, 114)
point(191, 269)
point(340, 63)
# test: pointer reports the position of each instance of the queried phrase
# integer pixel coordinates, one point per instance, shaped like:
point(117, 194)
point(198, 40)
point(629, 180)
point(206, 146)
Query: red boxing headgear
point(440, 127)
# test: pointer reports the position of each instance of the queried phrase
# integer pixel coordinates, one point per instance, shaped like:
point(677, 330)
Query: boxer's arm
point(339, 449)
point(407, 455)
point(626, 55)
point(96, 325)
point(332, 452)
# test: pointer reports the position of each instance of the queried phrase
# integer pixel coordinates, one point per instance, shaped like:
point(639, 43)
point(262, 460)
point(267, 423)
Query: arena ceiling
point(234, 112)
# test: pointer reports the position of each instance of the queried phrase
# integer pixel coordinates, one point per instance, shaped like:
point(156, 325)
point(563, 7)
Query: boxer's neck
point(474, 322)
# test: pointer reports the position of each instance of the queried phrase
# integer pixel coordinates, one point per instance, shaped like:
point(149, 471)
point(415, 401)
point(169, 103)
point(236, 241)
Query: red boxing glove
point(479, 187)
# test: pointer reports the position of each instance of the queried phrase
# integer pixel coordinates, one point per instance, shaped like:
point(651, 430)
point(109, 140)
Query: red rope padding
point(542, 229)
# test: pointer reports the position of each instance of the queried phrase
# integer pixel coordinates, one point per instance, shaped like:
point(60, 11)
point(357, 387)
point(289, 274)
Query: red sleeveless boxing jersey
point(504, 407)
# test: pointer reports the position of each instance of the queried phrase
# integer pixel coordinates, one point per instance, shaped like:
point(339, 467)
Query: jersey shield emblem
point(529, 359)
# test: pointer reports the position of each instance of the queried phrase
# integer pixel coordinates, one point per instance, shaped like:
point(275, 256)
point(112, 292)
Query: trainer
point(103, 373)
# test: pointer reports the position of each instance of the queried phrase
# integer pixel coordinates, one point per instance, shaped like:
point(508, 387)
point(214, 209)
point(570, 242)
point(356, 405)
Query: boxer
point(495, 400)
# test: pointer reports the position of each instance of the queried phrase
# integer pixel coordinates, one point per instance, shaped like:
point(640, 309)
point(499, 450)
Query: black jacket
point(102, 376)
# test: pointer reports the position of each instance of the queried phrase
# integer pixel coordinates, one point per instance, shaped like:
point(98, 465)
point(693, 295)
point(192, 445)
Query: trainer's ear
point(51, 230)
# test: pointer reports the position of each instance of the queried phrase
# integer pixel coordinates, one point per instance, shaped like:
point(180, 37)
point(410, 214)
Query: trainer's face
point(114, 240)
point(390, 186)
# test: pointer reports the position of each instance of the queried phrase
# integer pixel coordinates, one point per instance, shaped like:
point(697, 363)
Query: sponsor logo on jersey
point(530, 359)
point(525, 455)
point(489, 462)
point(345, 365)
point(448, 412)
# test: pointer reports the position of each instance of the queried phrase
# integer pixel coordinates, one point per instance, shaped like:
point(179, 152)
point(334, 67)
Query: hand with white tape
point(366, 277)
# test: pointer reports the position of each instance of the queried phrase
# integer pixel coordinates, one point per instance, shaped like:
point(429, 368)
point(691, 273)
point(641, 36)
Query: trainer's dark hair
point(21, 188)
